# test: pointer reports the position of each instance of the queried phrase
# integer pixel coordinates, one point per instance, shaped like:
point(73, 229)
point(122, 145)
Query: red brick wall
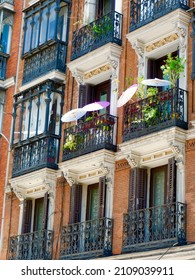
point(120, 203)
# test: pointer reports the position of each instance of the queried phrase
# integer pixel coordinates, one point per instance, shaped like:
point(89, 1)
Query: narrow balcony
point(89, 136)
point(3, 62)
point(106, 29)
point(163, 110)
point(154, 228)
point(31, 246)
point(87, 239)
point(40, 63)
point(35, 154)
point(142, 12)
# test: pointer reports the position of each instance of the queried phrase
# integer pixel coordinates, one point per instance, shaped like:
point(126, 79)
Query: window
point(38, 111)
point(6, 22)
point(45, 21)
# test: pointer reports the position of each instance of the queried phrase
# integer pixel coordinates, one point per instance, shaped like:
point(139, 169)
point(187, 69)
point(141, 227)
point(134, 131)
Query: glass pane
point(39, 214)
point(159, 190)
point(2, 98)
point(43, 32)
point(54, 114)
point(18, 127)
point(25, 120)
point(62, 24)
point(27, 35)
point(33, 117)
point(35, 35)
point(94, 203)
point(41, 114)
point(52, 22)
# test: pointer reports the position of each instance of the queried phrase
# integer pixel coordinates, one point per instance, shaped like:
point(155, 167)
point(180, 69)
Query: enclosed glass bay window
point(44, 22)
point(6, 25)
point(37, 111)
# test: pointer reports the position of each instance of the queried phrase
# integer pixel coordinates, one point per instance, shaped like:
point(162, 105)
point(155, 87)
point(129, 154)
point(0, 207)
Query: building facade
point(117, 180)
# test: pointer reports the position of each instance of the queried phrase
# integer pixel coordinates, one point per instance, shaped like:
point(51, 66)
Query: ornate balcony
point(87, 239)
point(154, 227)
point(31, 246)
point(144, 11)
point(40, 63)
point(163, 110)
point(35, 154)
point(106, 29)
point(89, 136)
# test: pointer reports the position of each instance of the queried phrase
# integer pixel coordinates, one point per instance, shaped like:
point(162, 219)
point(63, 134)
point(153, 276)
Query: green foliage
point(173, 67)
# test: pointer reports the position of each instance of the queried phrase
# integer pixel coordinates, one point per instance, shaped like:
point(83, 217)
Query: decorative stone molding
point(139, 49)
point(121, 165)
point(114, 64)
point(105, 170)
point(69, 178)
point(182, 34)
point(133, 160)
point(97, 71)
point(78, 76)
point(162, 42)
point(18, 192)
point(178, 152)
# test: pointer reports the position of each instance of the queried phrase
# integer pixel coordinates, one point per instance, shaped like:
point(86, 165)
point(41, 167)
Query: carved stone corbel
point(179, 155)
point(18, 192)
point(182, 33)
point(133, 160)
point(139, 50)
point(69, 178)
point(79, 77)
point(114, 64)
point(105, 170)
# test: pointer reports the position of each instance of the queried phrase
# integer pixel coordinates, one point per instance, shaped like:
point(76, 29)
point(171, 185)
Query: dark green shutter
point(102, 197)
point(171, 181)
point(27, 216)
point(137, 189)
point(75, 204)
point(85, 95)
point(45, 213)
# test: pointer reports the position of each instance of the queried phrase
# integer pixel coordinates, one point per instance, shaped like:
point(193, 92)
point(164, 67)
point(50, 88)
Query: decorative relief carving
point(97, 71)
point(139, 49)
point(78, 76)
point(182, 33)
point(69, 178)
point(190, 145)
point(162, 42)
point(122, 164)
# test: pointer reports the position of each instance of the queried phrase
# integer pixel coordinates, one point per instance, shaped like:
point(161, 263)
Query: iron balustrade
point(155, 113)
point(144, 11)
point(154, 227)
point(89, 136)
point(31, 246)
point(87, 239)
point(106, 29)
point(35, 154)
point(2, 67)
point(40, 63)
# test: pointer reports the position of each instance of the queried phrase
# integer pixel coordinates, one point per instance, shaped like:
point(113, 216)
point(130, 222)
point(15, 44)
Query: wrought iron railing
point(31, 246)
point(87, 239)
point(89, 136)
point(34, 155)
point(155, 113)
point(2, 67)
point(154, 227)
point(51, 58)
point(106, 29)
point(145, 11)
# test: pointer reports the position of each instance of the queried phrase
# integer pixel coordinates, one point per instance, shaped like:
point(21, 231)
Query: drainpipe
point(9, 147)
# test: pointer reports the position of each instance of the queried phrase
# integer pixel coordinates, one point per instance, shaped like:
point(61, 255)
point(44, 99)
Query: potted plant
point(173, 68)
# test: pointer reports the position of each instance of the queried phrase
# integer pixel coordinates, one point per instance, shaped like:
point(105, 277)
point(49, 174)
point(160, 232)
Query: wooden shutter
point(45, 213)
point(137, 189)
point(151, 71)
point(75, 204)
point(102, 197)
point(27, 216)
point(171, 181)
point(85, 95)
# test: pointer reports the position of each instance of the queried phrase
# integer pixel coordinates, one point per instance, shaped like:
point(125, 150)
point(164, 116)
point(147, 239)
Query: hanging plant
point(173, 68)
